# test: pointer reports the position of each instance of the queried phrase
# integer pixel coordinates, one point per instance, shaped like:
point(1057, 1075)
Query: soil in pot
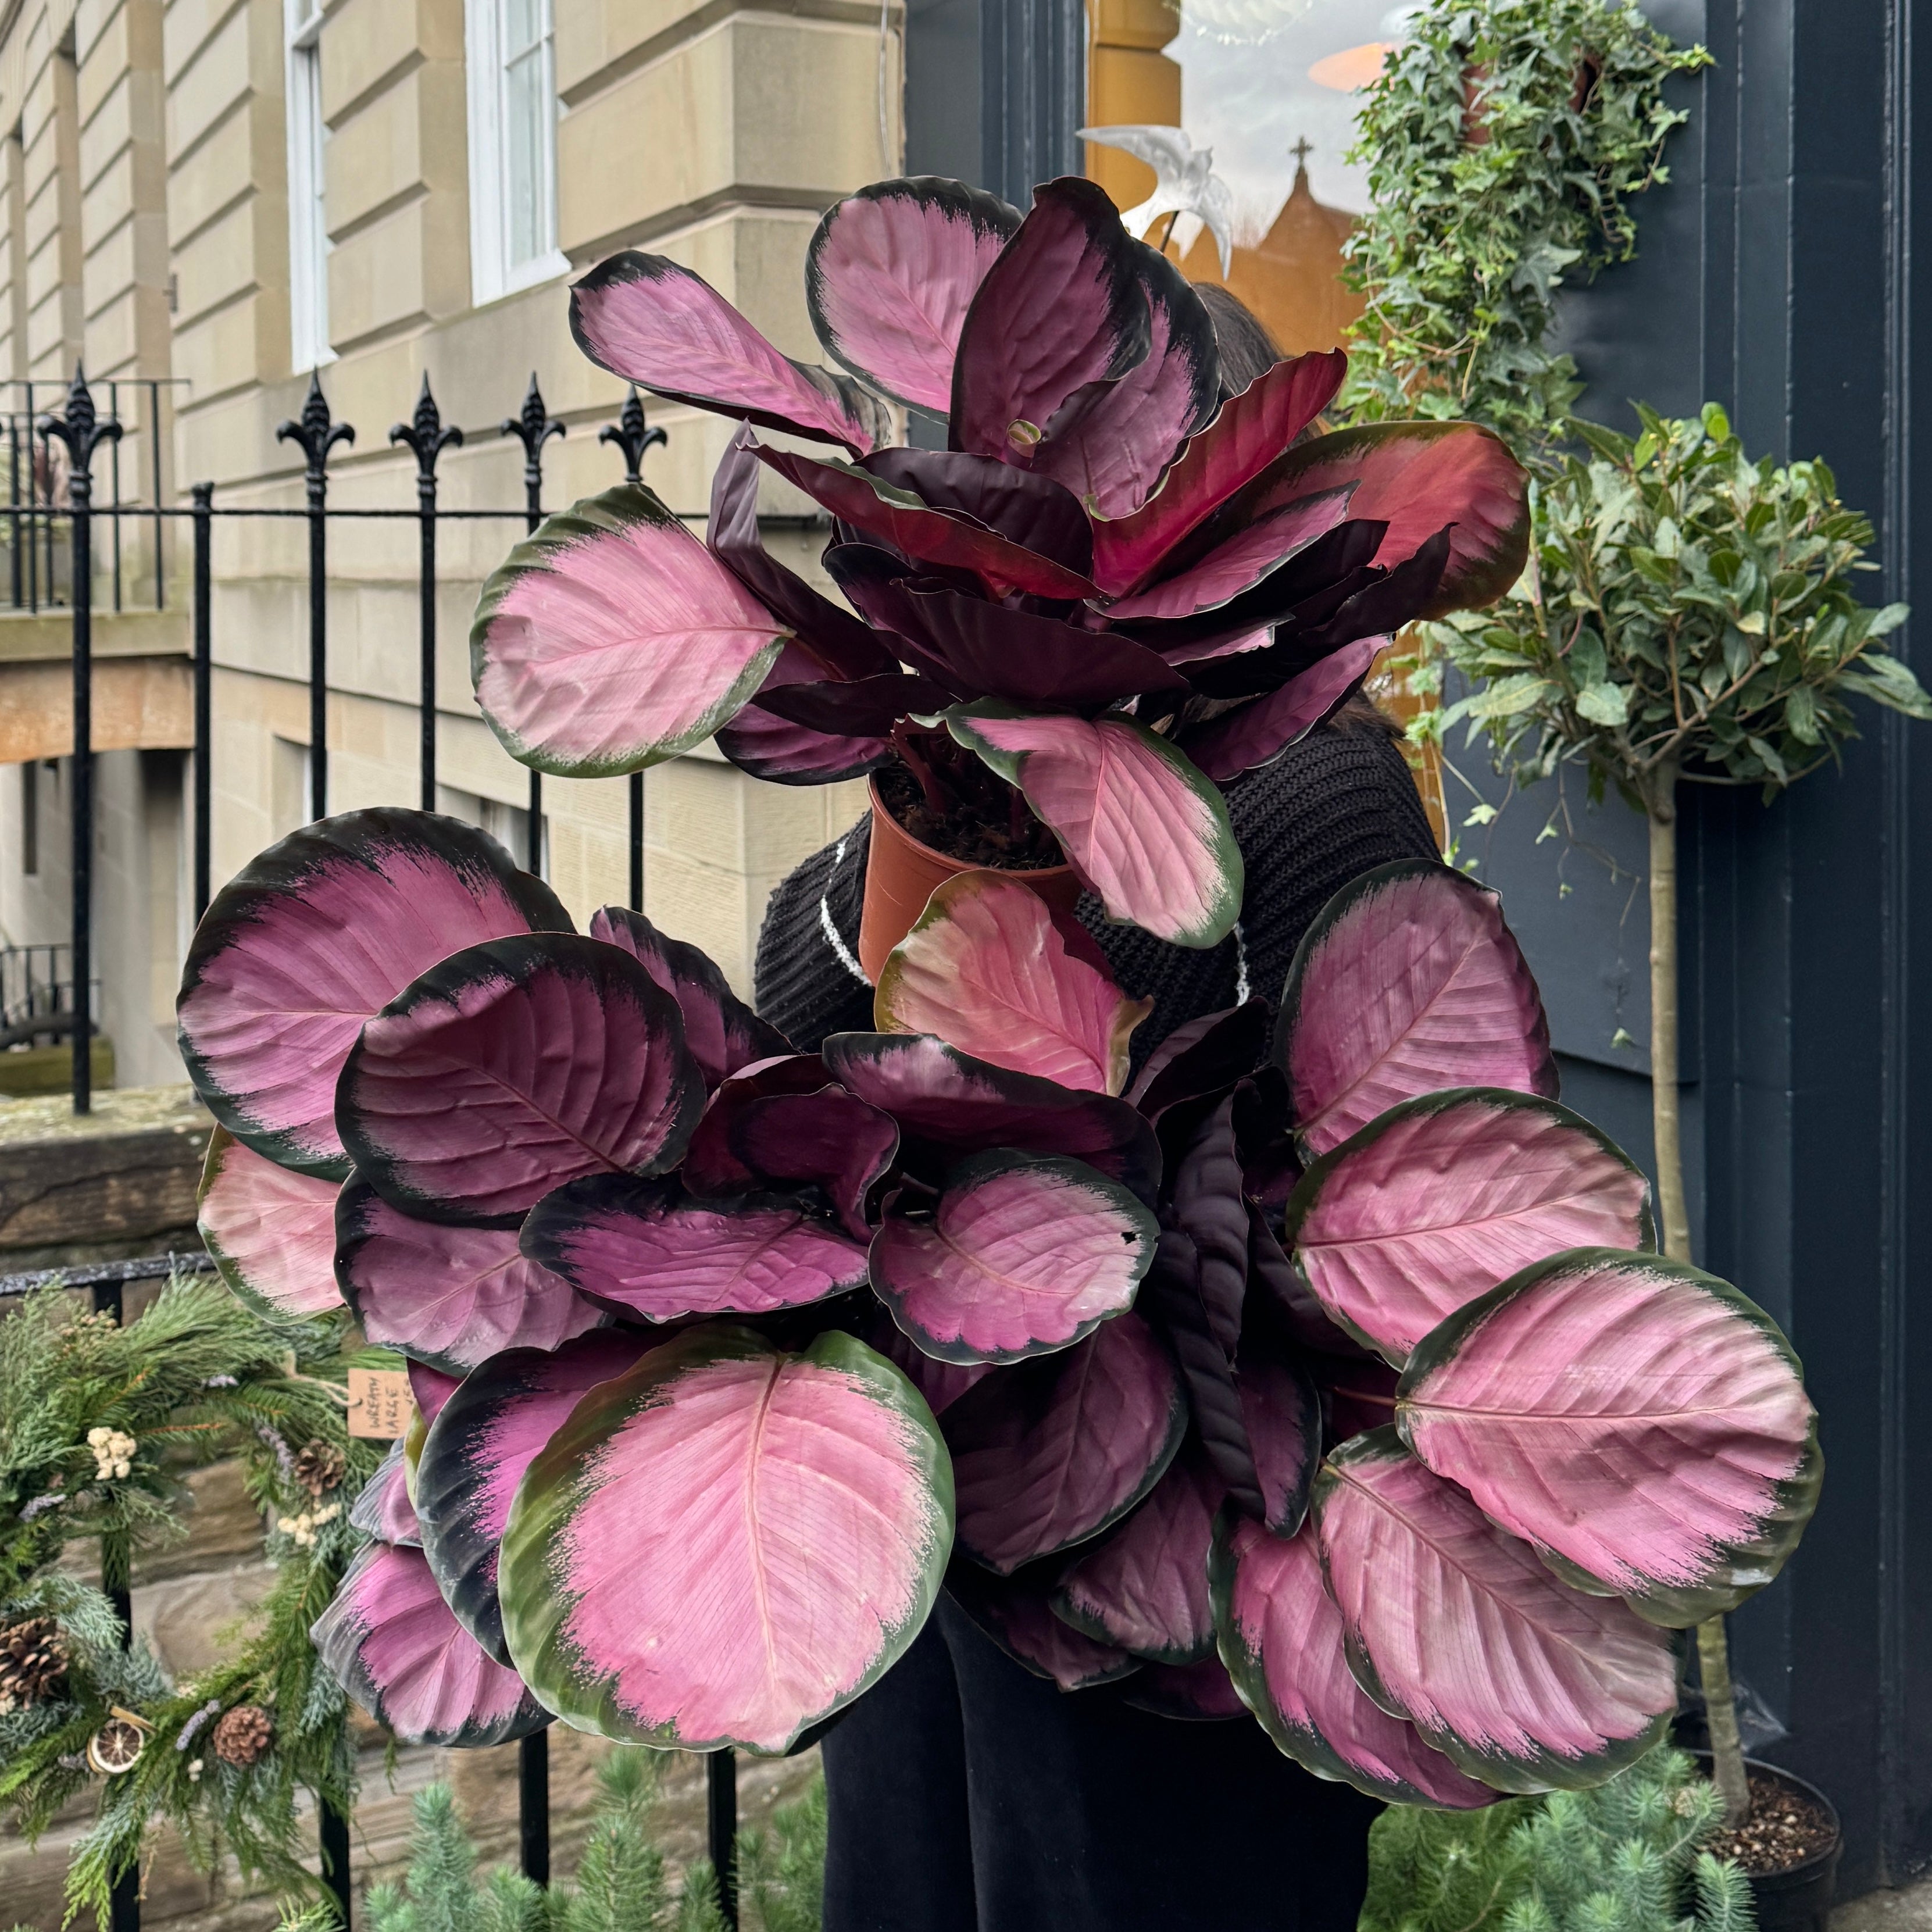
point(1788, 1848)
point(1022, 844)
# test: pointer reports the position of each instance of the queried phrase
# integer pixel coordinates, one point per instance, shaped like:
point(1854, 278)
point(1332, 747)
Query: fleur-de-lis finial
point(532, 426)
point(315, 432)
point(425, 435)
point(630, 435)
point(80, 430)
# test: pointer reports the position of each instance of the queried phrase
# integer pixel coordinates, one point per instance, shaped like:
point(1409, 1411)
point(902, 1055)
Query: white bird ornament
point(1186, 187)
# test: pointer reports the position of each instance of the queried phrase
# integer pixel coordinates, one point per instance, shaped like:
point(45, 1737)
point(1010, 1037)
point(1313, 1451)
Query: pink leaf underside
point(944, 538)
point(721, 1033)
point(829, 1139)
point(614, 639)
point(392, 1643)
point(987, 968)
point(1048, 1453)
point(638, 1247)
point(1250, 431)
point(383, 1510)
point(1060, 308)
point(1145, 1588)
point(1438, 1202)
point(458, 1295)
point(473, 1460)
point(1282, 1417)
point(1240, 562)
point(728, 1543)
point(313, 936)
point(1193, 1693)
point(1140, 826)
point(1022, 1254)
point(271, 1231)
point(513, 1068)
point(947, 1098)
point(1282, 1634)
point(1014, 1612)
point(1237, 741)
point(1414, 985)
point(1455, 1625)
point(656, 324)
point(1633, 1415)
point(890, 275)
point(1111, 443)
point(1416, 478)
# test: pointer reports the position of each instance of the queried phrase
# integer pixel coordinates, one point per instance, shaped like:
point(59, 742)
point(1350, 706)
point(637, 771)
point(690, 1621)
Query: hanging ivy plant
point(1505, 142)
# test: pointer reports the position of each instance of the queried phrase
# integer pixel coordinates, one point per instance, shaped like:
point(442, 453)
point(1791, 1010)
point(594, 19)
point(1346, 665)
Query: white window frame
point(492, 273)
point(309, 243)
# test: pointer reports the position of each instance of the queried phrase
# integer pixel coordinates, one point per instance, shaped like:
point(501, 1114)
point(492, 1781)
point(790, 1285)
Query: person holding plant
point(964, 1792)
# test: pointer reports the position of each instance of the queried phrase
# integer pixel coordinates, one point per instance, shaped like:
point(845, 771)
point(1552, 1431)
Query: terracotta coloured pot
point(901, 875)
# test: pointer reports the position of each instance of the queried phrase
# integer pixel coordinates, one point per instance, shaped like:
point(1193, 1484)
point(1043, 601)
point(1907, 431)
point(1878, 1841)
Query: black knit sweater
point(1330, 808)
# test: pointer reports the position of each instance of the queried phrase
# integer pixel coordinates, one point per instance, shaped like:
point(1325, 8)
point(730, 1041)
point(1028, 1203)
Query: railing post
point(633, 438)
point(81, 434)
point(316, 435)
point(533, 1805)
point(721, 1818)
point(154, 471)
point(203, 494)
point(427, 438)
point(332, 1832)
point(532, 426)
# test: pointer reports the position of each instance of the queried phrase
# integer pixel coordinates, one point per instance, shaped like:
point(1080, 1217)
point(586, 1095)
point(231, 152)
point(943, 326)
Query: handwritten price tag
point(380, 1405)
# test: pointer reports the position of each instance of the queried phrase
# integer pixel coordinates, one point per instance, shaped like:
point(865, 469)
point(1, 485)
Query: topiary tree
point(1505, 142)
point(1691, 617)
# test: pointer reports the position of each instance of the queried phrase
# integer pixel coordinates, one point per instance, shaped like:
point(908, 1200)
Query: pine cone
point(320, 1467)
point(33, 1662)
point(243, 1734)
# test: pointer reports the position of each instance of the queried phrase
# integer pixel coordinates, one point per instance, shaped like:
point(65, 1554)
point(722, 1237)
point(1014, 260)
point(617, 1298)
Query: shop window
point(512, 74)
point(1268, 89)
point(308, 213)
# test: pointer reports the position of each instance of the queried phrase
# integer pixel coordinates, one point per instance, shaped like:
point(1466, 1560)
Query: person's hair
point(1247, 349)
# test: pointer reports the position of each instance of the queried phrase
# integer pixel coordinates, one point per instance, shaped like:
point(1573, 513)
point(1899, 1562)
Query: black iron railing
point(43, 565)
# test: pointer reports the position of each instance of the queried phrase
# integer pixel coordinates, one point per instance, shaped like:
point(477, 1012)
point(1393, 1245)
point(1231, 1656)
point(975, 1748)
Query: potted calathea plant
point(1693, 619)
point(1324, 1370)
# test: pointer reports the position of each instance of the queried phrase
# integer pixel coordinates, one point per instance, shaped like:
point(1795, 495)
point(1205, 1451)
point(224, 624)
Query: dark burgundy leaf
point(1203, 1057)
point(1202, 1692)
point(1049, 1452)
point(761, 743)
point(1014, 1612)
point(941, 1383)
point(946, 1103)
point(838, 642)
point(1238, 741)
point(1063, 306)
point(1033, 511)
point(867, 708)
point(721, 1033)
point(1292, 1299)
point(751, 1137)
point(1282, 1415)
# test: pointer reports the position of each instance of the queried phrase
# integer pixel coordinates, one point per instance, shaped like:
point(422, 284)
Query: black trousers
point(967, 1794)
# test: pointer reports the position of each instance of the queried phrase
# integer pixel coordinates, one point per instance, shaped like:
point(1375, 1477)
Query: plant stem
point(1721, 1712)
point(1727, 1756)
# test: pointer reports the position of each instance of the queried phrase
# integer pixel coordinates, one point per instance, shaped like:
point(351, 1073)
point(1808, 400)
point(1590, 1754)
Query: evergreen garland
point(1623, 1857)
point(99, 1425)
point(1504, 140)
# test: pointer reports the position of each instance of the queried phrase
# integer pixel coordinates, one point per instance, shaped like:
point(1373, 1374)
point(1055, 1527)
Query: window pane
point(1269, 88)
point(523, 26)
point(526, 138)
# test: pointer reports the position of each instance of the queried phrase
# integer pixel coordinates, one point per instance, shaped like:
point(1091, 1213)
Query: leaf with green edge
point(1021, 1255)
point(269, 1230)
point(1281, 1640)
point(1448, 1621)
point(728, 1543)
point(1143, 829)
point(1637, 1418)
point(992, 971)
point(1015, 1612)
point(611, 639)
point(512, 1067)
point(1407, 982)
point(1437, 1200)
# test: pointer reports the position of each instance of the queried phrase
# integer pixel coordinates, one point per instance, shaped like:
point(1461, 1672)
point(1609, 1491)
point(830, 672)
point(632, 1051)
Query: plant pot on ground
point(1788, 1846)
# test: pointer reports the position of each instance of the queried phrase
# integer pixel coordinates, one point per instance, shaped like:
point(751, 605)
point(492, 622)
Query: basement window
point(512, 76)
